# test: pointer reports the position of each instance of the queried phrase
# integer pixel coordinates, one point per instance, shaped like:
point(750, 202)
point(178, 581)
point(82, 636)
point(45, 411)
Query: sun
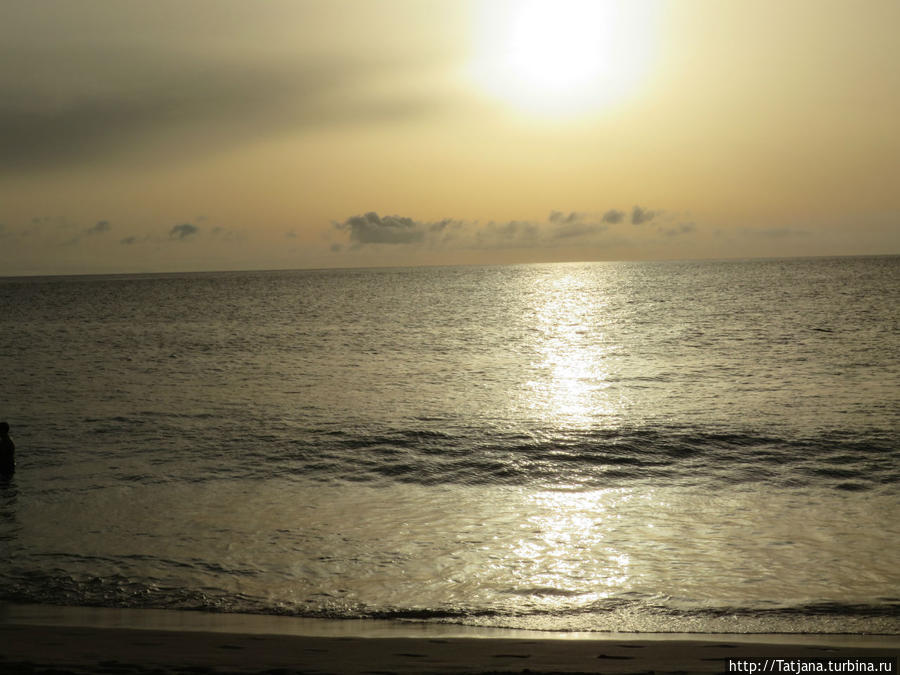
point(564, 56)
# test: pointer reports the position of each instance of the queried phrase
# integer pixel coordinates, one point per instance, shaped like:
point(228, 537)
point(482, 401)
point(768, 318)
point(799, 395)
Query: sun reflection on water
point(574, 371)
point(566, 551)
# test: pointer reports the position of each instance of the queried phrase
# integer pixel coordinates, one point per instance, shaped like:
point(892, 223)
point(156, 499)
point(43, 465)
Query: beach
point(87, 640)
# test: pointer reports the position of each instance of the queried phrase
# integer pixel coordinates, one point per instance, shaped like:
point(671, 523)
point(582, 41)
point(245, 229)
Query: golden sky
point(215, 134)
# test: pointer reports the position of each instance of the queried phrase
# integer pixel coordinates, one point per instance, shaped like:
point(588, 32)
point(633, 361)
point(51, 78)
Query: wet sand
point(87, 640)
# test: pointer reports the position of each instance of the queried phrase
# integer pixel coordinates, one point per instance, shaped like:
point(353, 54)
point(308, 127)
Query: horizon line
point(237, 270)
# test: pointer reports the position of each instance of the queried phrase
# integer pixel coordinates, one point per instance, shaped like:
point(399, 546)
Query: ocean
point(659, 446)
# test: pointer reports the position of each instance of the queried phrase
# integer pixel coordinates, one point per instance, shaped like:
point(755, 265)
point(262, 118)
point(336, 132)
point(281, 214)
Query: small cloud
point(99, 227)
point(373, 229)
point(613, 216)
point(513, 233)
point(131, 240)
point(224, 234)
point(58, 223)
point(336, 248)
point(641, 215)
point(561, 218)
point(574, 225)
point(442, 225)
point(682, 228)
point(290, 235)
point(183, 231)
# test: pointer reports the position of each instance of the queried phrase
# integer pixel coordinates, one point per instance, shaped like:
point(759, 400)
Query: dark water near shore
point(707, 446)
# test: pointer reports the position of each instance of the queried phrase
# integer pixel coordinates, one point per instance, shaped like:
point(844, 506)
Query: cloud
point(61, 106)
point(99, 227)
point(373, 229)
point(559, 229)
point(560, 218)
point(225, 234)
point(58, 230)
point(183, 231)
point(510, 234)
point(128, 241)
point(59, 221)
point(576, 224)
point(681, 228)
point(640, 215)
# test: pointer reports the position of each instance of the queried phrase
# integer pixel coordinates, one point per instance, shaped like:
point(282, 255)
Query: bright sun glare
point(564, 56)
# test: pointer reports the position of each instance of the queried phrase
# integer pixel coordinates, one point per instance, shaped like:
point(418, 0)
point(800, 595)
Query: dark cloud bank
point(63, 106)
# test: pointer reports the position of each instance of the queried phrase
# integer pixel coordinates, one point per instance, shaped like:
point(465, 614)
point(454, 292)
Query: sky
point(219, 135)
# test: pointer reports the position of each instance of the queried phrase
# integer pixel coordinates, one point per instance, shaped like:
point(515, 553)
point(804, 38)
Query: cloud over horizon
point(99, 227)
point(558, 229)
point(183, 231)
point(370, 228)
point(640, 215)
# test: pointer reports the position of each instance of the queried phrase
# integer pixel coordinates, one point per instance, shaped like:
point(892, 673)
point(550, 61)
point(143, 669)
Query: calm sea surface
point(700, 446)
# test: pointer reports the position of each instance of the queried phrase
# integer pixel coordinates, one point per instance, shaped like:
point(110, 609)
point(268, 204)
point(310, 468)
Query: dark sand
point(82, 640)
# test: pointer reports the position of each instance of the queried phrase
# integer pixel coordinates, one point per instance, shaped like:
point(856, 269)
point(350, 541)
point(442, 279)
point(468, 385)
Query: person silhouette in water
point(7, 451)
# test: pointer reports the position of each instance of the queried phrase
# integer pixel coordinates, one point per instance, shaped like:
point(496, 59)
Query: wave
point(596, 458)
point(635, 613)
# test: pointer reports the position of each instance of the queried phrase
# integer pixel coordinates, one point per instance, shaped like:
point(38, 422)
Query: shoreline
point(88, 639)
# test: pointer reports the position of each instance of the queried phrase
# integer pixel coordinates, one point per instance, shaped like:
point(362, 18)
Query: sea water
point(684, 446)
